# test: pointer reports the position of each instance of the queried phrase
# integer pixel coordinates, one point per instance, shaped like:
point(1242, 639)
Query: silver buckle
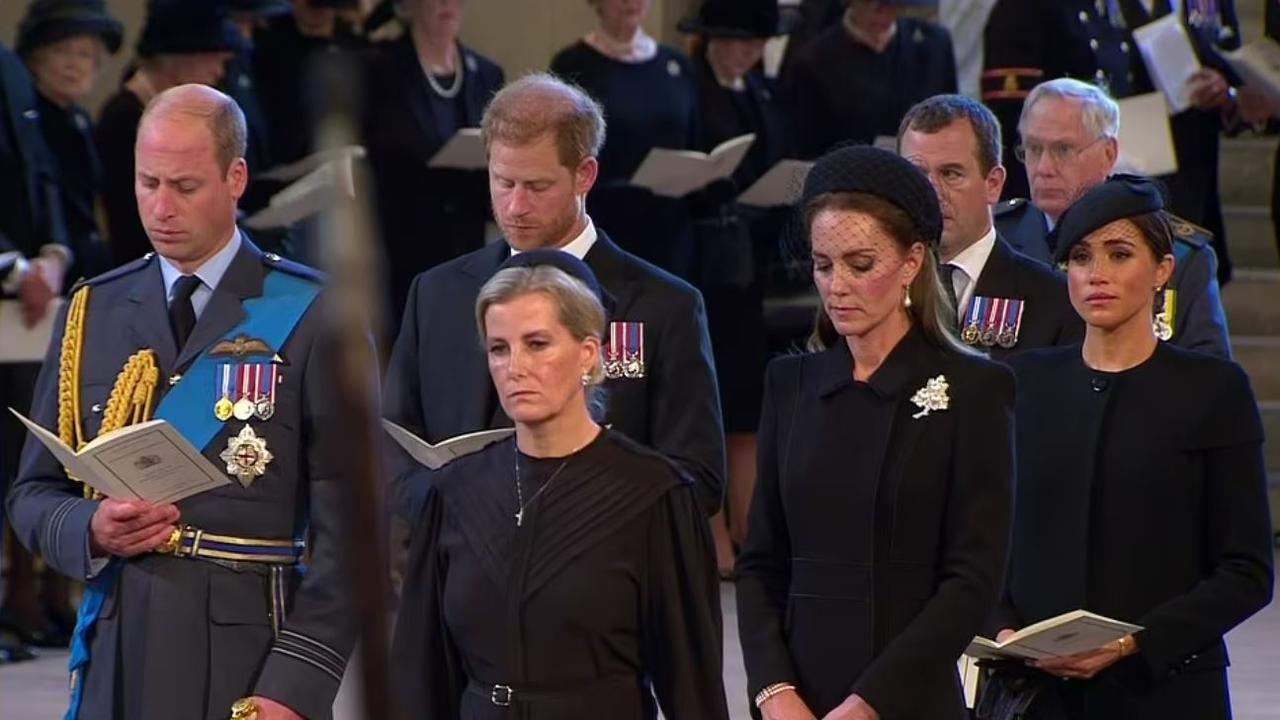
point(501, 695)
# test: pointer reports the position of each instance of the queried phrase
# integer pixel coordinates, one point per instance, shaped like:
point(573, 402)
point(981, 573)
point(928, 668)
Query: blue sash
point(271, 318)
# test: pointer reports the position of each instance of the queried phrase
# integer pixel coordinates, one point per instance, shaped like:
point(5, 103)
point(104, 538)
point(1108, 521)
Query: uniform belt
point(505, 695)
point(190, 542)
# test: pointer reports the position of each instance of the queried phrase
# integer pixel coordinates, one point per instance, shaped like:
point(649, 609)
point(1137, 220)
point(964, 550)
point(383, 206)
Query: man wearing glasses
point(1069, 145)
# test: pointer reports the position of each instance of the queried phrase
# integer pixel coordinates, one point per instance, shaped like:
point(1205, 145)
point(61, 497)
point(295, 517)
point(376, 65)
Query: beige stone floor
point(37, 690)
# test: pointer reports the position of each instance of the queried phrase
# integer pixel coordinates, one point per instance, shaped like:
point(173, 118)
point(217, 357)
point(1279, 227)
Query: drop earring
point(906, 296)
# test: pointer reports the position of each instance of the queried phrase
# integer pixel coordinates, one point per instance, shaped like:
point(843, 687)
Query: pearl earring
point(906, 296)
point(586, 379)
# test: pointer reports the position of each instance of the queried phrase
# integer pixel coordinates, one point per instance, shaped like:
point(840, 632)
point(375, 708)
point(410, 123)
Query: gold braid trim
point(70, 426)
point(132, 398)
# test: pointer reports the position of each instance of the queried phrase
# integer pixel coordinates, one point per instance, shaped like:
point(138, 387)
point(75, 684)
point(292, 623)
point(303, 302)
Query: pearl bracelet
point(774, 689)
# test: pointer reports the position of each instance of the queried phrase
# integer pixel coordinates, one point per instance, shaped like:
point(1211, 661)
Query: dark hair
point(929, 305)
point(1157, 230)
point(941, 111)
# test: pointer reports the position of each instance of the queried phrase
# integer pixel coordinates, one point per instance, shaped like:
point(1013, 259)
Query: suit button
point(1084, 17)
point(1093, 45)
point(1124, 46)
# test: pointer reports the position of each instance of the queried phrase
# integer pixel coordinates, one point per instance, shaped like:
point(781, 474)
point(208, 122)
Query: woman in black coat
point(879, 527)
point(1141, 485)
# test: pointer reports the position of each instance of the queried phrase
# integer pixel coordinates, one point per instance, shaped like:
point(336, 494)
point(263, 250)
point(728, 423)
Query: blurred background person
point(63, 43)
point(736, 242)
point(1134, 502)
point(183, 41)
point(649, 95)
point(879, 526)
point(423, 88)
point(855, 80)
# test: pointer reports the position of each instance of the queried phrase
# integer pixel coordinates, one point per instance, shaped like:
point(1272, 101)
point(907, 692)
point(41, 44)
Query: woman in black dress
point(1141, 484)
point(566, 574)
point(734, 241)
point(424, 88)
point(649, 97)
point(880, 522)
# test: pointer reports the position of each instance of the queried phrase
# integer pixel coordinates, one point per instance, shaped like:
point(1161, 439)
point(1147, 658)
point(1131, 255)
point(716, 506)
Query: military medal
point(615, 357)
point(989, 331)
point(243, 408)
point(264, 397)
point(1164, 320)
point(222, 407)
point(633, 350)
point(246, 456)
point(971, 334)
point(1012, 323)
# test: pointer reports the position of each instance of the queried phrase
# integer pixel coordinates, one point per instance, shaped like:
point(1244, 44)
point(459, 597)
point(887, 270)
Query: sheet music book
point(307, 196)
point(676, 173)
point(149, 461)
point(444, 452)
point(1170, 58)
point(19, 343)
point(298, 168)
point(1146, 139)
point(1258, 64)
point(781, 185)
point(1067, 634)
point(464, 151)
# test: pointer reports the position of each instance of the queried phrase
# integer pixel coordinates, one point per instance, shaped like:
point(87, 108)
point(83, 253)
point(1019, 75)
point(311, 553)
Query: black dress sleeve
point(683, 633)
point(1239, 559)
point(764, 565)
point(428, 676)
point(975, 540)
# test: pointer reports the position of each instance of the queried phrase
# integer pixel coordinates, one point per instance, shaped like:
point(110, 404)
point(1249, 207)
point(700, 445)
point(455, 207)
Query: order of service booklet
point(442, 453)
point(148, 461)
point(676, 173)
point(1067, 634)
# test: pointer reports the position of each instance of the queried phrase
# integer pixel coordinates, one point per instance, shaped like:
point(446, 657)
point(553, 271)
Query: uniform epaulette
point(1188, 232)
point(275, 262)
point(126, 269)
point(1010, 206)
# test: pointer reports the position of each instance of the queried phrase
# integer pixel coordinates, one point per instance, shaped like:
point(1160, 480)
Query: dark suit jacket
point(1199, 323)
point(427, 216)
point(438, 383)
point(1145, 505)
point(29, 180)
point(1048, 318)
point(877, 538)
point(181, 637)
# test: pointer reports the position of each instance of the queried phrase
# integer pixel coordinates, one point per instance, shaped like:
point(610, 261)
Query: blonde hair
point(930, 308)
point(577, 307)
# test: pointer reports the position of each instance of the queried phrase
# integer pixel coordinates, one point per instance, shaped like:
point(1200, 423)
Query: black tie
point(947, 274)
point(182, 314)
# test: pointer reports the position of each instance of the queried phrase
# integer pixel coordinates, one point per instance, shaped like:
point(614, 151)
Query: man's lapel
point(243, 280)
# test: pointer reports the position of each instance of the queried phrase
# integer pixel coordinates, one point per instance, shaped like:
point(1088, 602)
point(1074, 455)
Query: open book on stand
point(676, 173)
point(1067, 634)
point(442, 453)
point(148, 461)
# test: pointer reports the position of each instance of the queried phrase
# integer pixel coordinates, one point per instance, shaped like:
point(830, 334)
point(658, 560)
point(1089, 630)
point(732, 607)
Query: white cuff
point(13, 280)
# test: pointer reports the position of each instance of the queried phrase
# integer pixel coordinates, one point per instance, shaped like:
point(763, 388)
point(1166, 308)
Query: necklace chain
point(520, 501)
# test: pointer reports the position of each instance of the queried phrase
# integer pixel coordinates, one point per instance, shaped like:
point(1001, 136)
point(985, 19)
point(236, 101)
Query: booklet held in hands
point(149, 461)
point(442, 453)
point(1067, 634)
point(676, 173)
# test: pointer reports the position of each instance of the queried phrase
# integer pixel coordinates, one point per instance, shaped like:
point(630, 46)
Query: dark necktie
point(947, 274)
point(182, 314)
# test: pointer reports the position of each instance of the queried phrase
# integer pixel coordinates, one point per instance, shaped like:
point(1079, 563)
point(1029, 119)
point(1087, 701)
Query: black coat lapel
point(474, 92)
point(415, 95)
point(471, 368)
point(242, 280)
point(149, 314)
point(997, 278)
point(610, 265)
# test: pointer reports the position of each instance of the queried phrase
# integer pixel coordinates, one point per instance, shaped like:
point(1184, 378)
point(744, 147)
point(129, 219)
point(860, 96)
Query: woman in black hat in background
point(735, 242)
point(564, 574)
point(424, 88)
point(183, 41)
point(1142, 494)
point(64, 44)
point(880, 521)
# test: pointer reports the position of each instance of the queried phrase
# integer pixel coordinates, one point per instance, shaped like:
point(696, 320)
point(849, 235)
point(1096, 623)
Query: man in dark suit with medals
point(198, 608)
point(542, 137)
point(1005, 301)
point(1069, 144)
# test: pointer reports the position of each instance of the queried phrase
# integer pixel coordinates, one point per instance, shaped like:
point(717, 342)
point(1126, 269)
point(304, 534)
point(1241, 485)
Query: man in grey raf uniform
point(191, 608)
